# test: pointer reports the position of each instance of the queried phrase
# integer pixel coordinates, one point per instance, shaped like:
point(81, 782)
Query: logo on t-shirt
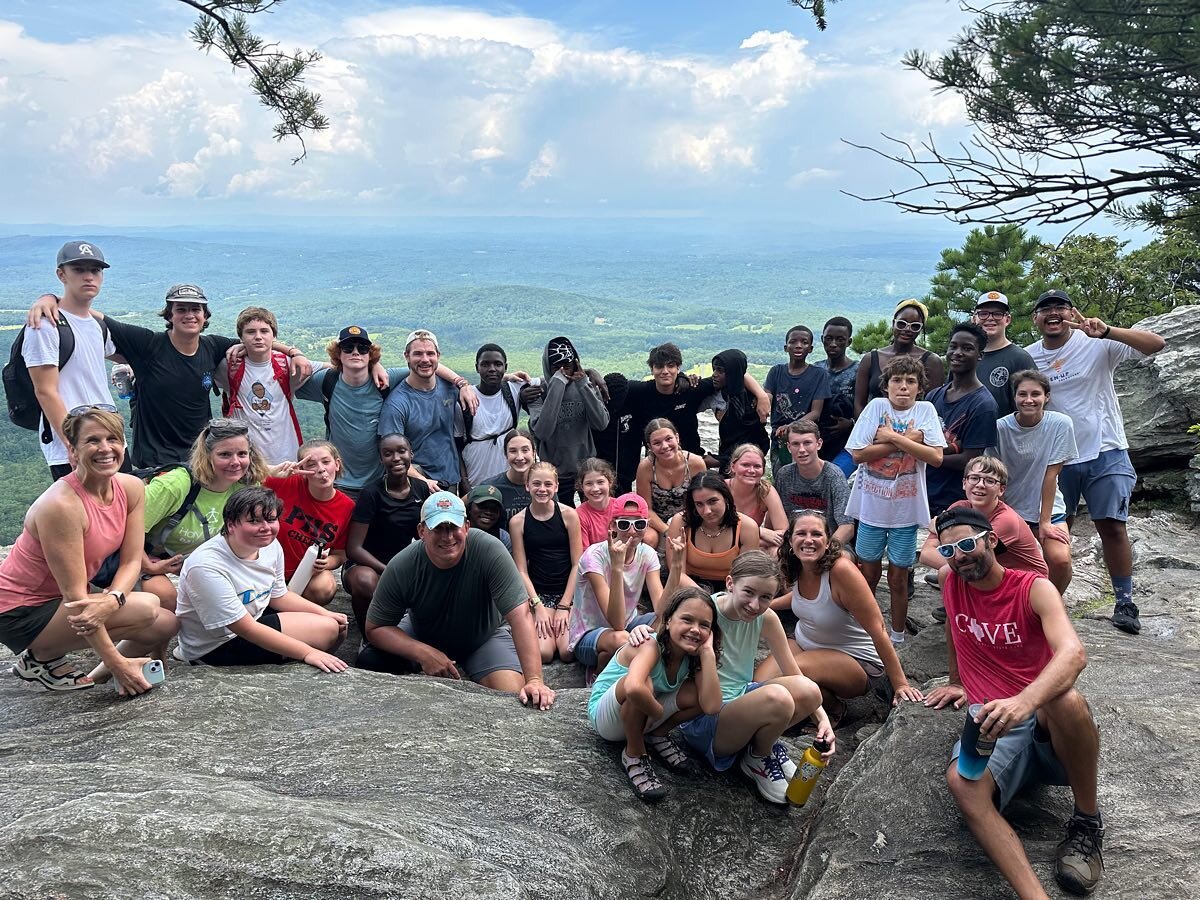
point(998, 376)
point(987, 632)
point(260, 402)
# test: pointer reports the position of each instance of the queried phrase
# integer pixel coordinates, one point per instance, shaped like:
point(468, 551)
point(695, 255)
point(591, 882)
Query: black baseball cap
point(186, 293)
point(353, 334)
point(81, 251)
point(1054, 296)
point(963, 515)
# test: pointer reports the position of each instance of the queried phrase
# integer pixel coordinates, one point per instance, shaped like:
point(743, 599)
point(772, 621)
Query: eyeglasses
point(102, 407)
point(1046, 308)
point(626, 524)
point(966, 545)
point(982, 479)
point(357, 349)
point(914, 327)
point(990, 314)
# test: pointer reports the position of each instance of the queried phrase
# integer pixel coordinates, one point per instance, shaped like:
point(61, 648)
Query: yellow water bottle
point(805, 779)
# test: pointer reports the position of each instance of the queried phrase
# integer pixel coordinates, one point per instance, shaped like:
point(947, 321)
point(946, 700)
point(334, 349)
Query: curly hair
point(334, 350)
point(676, 600)
point(789, 565)
point(709, 481)
point(903, 365)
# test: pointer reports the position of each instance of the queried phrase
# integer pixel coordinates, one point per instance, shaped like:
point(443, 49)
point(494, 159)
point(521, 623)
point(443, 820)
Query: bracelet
point(1107, 329)
point(460, 382)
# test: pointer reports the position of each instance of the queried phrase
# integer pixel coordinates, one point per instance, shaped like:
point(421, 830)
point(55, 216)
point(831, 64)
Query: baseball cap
point(485, 493)
point(353, 334)
point(443, 507)
point(559, 352)
point(632, 499)
point(422, 335)
point(963, 515)
point(81, 251)
point(186, 293)
point(1055, 296)
point(992, 297)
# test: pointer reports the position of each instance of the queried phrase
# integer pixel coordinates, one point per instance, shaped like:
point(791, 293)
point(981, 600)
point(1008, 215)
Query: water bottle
point(122, 380)
point(303, 574)
point(805, 779)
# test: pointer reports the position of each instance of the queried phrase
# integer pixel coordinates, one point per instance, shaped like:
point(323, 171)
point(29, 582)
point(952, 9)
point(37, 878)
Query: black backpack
point(23, 408)
point(329, 381)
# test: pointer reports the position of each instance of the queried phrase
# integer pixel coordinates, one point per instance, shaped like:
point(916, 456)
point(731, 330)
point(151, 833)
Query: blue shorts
point(901, 544)
point(845, 462)
point(585, 650)
point(702, 731)
point(1020, 758)
point(1056, 519)
point(1105, 483)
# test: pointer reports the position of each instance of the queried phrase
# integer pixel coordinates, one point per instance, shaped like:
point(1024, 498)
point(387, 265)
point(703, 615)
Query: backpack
point(279, 369)
point(23, 408)
point(469, 418)
point(329, 381)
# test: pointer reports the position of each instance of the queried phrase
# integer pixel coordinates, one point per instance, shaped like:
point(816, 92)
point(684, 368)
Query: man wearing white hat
point(1001, 357)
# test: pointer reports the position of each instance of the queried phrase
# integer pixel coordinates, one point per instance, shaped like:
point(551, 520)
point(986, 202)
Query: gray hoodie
point(563, 418)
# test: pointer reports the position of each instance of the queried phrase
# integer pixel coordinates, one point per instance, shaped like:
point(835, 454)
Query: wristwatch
point(534, 603)
point(120, 595)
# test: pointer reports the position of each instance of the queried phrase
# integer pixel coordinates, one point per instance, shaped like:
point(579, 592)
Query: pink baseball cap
point(632, 499)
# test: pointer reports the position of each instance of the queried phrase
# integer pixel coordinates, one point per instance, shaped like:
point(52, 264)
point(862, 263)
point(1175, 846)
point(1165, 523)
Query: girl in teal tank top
point(658, 684)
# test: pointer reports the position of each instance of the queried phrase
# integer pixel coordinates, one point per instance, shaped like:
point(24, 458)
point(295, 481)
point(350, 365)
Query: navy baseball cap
point(1055, 296)
point(353, 334)
point(81, 251)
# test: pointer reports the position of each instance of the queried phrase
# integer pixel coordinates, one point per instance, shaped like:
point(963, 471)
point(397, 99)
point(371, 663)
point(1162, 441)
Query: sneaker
point(52, 675)
point(786, 766)
point(642, 779)
point(898, 639)
point(931, 579)
point(1080, 865)
point(764, 771)
point(1125, 617)
point(939, 614)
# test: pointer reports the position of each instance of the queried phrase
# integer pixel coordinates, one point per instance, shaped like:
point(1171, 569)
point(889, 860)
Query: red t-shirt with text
point(305, 519)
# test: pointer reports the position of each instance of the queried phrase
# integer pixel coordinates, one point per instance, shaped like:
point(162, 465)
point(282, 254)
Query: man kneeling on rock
point(439, 605)
point(1015, 656)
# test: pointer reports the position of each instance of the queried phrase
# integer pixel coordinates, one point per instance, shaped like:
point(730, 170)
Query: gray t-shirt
point(1027, 453)
point(828, 492)
point(995, 370)
point(455, 610)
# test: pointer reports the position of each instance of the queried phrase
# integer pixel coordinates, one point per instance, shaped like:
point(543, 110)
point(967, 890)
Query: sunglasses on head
point(102, 407)
point(625, 524)
point(966, 545)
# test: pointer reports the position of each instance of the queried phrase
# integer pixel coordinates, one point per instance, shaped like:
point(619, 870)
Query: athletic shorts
point(20, 626)
point(497, 653)
point(585, 650)
point(877, 681)
point(607, 720)
point(701, 731)
point(1105, 483)
point(901, 542)
point(241, 652)
point(1020, 758)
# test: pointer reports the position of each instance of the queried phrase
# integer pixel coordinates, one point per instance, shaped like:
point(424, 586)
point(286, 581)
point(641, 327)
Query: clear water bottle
point(122, 380)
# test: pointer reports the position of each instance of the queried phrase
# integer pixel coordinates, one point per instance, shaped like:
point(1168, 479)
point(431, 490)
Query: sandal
point(665, 748)
point(641, 777)
point(50, 675)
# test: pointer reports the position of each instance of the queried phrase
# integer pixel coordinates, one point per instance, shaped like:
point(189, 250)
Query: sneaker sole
point(782, 801)
point(1072, 886)
point(36, 684)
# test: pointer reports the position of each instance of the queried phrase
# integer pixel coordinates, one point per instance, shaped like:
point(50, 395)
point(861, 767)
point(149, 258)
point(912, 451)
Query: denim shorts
point(701, 731)
point(1020, 758)
point(585, 649)
point(1106, 483)
point(901, 542)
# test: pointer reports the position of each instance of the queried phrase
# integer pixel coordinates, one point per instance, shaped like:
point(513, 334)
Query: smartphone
point(153, 671)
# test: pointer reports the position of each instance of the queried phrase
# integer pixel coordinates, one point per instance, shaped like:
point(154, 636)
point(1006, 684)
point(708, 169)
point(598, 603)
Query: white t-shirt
point(890, 492)
point(216, 589)
point(486, 458)
point(1027, 453)
point(1081, 385)
point(84, 379)
point(266, 411)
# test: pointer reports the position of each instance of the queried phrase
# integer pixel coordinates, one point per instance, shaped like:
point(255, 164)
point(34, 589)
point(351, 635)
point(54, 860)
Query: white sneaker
point(766, 775)
point(785, 762)
point(898, 639)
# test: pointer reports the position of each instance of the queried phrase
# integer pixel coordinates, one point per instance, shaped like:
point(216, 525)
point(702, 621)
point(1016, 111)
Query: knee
point(362, 583)
point(969, 796)
point(141, 610)
point(330, 631)
point(780, 700)
point(806, 694)
point(1068, 707)
point(321, 590)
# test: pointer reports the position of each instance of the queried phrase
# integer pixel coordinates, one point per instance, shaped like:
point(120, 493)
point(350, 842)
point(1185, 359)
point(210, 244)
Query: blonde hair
point(541, 466)
point(755, 564)
point(106, 419)
point(212, 434)
point(309, 446)
point(761, 490)
point(987, 465)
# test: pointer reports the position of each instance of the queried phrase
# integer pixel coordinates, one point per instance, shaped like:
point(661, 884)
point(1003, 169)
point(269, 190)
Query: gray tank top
point(823, 625)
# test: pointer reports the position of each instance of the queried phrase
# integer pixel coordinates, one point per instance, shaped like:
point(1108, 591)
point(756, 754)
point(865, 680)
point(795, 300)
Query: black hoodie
point(740, 424)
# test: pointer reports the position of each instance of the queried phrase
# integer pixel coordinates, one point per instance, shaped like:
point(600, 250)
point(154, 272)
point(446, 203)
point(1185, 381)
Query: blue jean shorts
point(901, 543)
point(1106, 483)
point(585, 650)
point(1020, 758)
point(701, 731)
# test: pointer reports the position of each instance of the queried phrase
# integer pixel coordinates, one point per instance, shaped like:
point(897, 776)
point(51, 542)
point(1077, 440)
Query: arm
point(654, 588)
point(541, 615)
point(638, 689)
point(1145, 342)
point(133, 544)
point(562, 614)
point(762, 400)
point(851, 593)
point(546, 420)
point(775, 522)
point(777, 643)
point(593, 405)
point(958, 461)
point(952, 692)
point(749, 536)
point(814, 414)
point(916, 449)
point(535, 691)
point(614, 589)
point(255, 632)
point(928, 555)
point(708, 685)
point(45, 388)
point(862, 386)
point(355, 550)
point(1046, 530)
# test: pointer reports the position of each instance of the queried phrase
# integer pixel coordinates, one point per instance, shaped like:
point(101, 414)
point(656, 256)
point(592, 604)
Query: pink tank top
point(25, 578)
point(998, 638)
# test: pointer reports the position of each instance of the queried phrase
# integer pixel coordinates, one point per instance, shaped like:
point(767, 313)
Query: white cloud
point(705, 153)
point(542, 167)
point(802, 179)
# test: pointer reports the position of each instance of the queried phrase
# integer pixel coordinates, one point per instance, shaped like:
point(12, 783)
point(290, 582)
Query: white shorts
point(608, 714)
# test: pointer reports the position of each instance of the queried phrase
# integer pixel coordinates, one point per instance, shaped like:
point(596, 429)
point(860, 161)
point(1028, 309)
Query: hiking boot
point(1125, 617)
point(1080, 865)
point(939, 614)
point(931, 579)
point(766, 774)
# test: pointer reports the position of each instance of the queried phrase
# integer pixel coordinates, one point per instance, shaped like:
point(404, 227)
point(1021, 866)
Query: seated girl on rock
point(611, 578)
point(647, 690)
point(234, 605)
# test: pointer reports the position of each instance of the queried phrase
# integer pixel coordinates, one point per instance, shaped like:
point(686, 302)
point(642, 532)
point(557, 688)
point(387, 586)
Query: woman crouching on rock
point(46, 610)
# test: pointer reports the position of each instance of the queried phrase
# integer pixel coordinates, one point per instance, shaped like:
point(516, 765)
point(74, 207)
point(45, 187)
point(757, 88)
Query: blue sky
point(729, 109)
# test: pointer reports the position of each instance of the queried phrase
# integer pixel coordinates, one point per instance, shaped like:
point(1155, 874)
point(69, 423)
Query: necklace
point(710, 535)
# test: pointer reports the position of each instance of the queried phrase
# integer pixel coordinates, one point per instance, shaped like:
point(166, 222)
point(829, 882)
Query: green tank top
point(739, 647)
point(615, 671)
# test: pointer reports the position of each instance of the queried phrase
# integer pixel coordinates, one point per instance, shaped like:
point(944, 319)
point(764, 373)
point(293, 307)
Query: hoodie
point(740, 424)
point(562, 419)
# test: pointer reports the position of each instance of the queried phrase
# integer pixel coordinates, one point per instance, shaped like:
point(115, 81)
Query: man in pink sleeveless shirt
point(1012, 648)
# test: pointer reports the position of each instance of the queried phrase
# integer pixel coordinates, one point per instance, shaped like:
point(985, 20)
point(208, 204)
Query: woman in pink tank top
point(46, 610)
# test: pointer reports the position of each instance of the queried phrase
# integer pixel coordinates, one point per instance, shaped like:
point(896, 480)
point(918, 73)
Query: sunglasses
point(357, 349)
point(624, 524)
point(966, 545)
point(102, 407)
point(914, 327)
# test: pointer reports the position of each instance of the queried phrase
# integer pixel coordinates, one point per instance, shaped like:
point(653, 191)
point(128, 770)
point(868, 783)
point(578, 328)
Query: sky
point(733, 110)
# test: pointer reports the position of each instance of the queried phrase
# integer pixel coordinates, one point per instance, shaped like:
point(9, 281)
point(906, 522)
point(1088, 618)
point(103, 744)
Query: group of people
point(472, 546)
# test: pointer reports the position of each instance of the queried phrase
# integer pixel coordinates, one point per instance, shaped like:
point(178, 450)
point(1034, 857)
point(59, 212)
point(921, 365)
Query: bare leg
point(320, 632)
point(162, 587)
point(872, 571)
point(898, 589)
point(321, 588)
point(1058, 561)
point(362, 581)
point(608, 644)
point(1076, 742)
point(1114, 542)
point(506, 680)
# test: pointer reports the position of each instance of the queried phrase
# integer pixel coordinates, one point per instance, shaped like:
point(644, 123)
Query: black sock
point(1090, 819)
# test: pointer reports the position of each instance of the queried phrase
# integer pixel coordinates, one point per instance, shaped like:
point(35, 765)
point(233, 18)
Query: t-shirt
point(586, 613)
point(455, 610)
point(391, 523)
point(890, 492)
point(739, 649)
point(266, 410)
point(165, 494)
point(493, 420)
point(174, 391)
point(829, 492)
point(792, 396)
point(426, 418)
point(306, 520)
point(216, 589)
point(840, 405)
point(967, 423)
point(644, 403)
point(593, 523)
point(1027, 453)
point(995, 370)
point(82, 381)
point(1081, 383)
point(353, 424)
point(1021, 549)
point(514, 496)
